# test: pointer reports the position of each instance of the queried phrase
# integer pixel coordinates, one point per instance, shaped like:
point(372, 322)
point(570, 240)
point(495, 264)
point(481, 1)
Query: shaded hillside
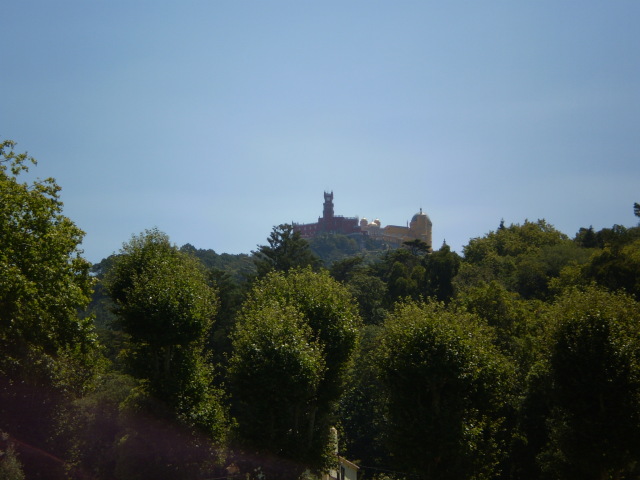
point(239, 267)
point(333, 247)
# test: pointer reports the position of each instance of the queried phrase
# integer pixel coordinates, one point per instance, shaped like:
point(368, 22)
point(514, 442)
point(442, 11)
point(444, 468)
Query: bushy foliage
point(362, 407)
point(519, 360)
point(164, 303)
point(447, 390)
point(523, 258)
point(49, 352)
point(594, 389)
point(44, 279)
point(286, 250)
point(305, 325)
point(275, 372)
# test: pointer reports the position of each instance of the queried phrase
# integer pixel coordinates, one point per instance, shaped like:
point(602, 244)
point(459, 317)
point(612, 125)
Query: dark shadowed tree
point(362, 411)
point(594, 387)
point(275, 372)
point(165, 303)
point(586, 238)
point(286, 249)
point(345, 269)
point(10, 466)
point(440, 269)
point(314, 324)
point(511, 317)
point(418, 246)
point(447, 389)
point(616, 267)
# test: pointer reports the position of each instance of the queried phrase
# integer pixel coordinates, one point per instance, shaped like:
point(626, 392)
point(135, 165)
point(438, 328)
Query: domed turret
point(420, 227)
point(421, 215)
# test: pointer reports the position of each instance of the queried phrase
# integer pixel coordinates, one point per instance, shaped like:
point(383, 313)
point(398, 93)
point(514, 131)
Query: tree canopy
point(286, 250)
point(49, 351)
point(447, 391)
point(304, 326)
point(519, 360)
point(45, 281)
point(594, 371)
point(164, 302)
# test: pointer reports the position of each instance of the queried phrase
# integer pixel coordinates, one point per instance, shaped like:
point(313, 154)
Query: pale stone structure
point(420, 228)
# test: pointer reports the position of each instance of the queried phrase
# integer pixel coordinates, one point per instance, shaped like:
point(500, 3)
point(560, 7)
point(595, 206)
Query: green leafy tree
point(231, 295)
point(441, 267)
point(362, 409)
point(239, 267)
point(321, 323)
point(513, 240)
point(275, 371)
point(617, 236)
point(368, 290)
point(616, 267)
point(523, 258)
point(167, 307)
point(535, 271)
point(403, 272)
point(447, 390)
point(345, 269)
point(594, 387)
point(49, 353)
point(94, 424)
point(587, 238)
point(286, 250)
point(418, 246)
point(118, 431)
point(516, 331)
point(44, 279)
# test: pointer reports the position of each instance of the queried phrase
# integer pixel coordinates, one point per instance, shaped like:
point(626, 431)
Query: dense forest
point(519, 359)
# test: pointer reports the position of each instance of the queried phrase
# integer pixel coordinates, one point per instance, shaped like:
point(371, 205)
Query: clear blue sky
point(216, 120)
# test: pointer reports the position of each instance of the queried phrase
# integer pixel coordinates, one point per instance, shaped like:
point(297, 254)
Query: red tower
point(329, 222)
point(327, 211)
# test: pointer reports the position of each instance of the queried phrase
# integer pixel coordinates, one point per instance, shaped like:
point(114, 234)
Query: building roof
point(348, 463)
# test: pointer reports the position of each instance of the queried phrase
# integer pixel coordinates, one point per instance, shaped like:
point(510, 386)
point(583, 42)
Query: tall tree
point(312, 312)
point(275, 372)
point(447, 391)
point(164, 302)
point(586, 238)
point(286, 250)
point(44, 280)
point(441, 267)
point(516, 328)
point(594, 378)
point(523, 258)
point(403, 272)
point(48, 351)
point(616, 267)
point(362, 412)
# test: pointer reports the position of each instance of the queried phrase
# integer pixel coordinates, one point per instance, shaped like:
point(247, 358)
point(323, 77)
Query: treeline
point(519, 359)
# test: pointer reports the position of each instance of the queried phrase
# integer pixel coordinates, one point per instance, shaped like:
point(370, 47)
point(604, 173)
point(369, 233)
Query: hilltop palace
point(418, 229)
